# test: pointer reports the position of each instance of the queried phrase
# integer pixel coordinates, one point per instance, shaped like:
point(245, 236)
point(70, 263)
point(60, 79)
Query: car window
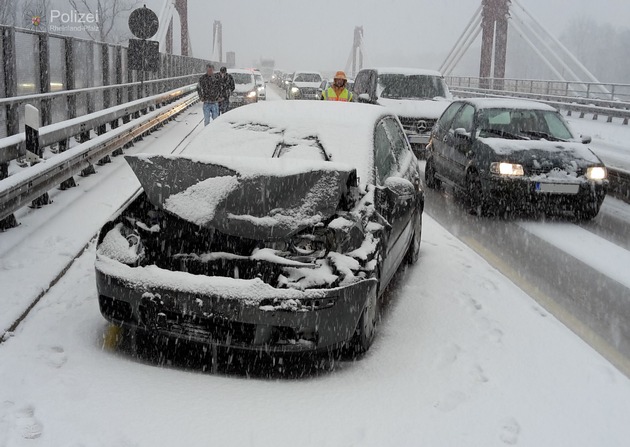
point(243, 78)
point(448, 115)
point(307, 77)
point(556, 126)
point(464, 118)
point(361, 82)
point(384, 161)
point(398, 140)
point(401, 86)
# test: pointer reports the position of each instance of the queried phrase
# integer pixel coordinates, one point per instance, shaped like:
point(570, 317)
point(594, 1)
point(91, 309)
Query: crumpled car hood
point(254, 198)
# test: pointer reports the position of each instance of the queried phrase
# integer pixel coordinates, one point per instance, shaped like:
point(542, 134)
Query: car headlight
point(502, 168)
point(295, 90)
point(596, 173)
point(304, 247)
point(252, 94)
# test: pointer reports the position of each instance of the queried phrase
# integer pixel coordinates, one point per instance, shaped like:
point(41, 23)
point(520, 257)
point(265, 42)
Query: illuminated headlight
point(596, 173)
point(295, 90)
point(506, 169)
point(252, 94)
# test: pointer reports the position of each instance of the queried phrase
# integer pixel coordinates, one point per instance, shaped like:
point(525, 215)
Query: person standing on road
point(227, 84)
point(338, 91)
point(209, 90)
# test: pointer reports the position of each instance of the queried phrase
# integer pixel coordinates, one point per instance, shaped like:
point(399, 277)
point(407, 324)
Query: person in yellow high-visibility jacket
point(338, 91)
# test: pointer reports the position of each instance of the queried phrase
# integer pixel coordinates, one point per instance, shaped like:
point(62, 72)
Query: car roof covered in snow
point(507, 103)
point(240, 70)
point(345, 132)
point(408, 71)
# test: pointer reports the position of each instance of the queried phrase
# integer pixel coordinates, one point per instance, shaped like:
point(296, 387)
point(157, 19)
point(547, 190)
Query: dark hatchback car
point(515, 155)
point(277, 231)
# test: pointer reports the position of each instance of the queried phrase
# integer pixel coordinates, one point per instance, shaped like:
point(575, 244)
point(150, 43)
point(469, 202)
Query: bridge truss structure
point(492, 19)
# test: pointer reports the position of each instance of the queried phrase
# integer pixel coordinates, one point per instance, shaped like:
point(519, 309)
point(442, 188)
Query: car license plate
point(236, 99)
point(557, 188)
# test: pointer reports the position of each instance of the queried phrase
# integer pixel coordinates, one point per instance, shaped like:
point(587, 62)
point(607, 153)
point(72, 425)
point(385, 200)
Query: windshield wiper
point(545, 135)
point(504, 134)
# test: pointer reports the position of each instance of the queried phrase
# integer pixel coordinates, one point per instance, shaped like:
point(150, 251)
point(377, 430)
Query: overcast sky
point(309, 34)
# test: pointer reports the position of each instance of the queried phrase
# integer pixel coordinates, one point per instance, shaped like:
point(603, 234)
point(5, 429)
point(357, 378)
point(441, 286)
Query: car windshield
point(308, 77)
point(522, 124)
point(399, 86)
point(242, 78)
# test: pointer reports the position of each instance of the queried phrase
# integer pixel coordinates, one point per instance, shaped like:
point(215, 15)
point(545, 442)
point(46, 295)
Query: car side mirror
point(395, 191)
point(365, 97)
point(462, 133)
point(586, 139)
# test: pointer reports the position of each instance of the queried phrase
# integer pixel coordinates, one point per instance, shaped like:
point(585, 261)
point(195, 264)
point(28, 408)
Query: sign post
point(143, 54)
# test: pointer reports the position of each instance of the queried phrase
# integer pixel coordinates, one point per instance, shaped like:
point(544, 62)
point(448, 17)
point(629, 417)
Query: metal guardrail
point(66, 93)
point(23, 187)
point(13, 147)
point(612, 92)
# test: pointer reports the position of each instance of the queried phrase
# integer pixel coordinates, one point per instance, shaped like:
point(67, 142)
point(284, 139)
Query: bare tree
point(110, 14)
point(8, 12)
point(601, 47)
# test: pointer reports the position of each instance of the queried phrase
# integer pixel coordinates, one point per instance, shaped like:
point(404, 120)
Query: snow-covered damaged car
point(515, 155)
point(277, 230)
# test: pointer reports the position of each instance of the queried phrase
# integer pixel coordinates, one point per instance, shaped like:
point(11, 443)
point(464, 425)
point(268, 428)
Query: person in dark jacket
point(227, 82)
point(210, 93)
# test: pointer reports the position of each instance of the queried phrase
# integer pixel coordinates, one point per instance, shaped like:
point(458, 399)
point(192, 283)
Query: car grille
point(547, 169)
point(411, 124)
point(308, 91)
point(204, 329)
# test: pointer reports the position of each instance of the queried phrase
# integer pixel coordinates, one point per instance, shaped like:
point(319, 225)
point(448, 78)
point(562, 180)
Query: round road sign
point(143, 23)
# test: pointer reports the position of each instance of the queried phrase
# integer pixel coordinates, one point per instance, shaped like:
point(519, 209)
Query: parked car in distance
point(246, 90)
point(511, 155)
point(417, 96)
point(304, 85)
point(276, 231)
point(323, 86)
point(260, 86)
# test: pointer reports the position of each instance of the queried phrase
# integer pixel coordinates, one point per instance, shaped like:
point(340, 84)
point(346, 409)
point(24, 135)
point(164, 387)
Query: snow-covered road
point(469, 362)
point(462, 356)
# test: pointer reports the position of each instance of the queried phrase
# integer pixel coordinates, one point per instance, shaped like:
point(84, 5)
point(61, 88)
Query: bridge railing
point(139, 117)
point(608, 92)
point(65, 77)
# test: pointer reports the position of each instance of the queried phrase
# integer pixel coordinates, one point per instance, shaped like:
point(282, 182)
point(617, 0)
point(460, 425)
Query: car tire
point(430, 179)
point(413, 252)
point(476, 201)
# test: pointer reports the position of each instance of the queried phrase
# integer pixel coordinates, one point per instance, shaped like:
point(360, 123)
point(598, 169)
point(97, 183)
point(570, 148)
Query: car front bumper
point(227, 312)
point(524, 193)
point(416, 138)
point(239, 100)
